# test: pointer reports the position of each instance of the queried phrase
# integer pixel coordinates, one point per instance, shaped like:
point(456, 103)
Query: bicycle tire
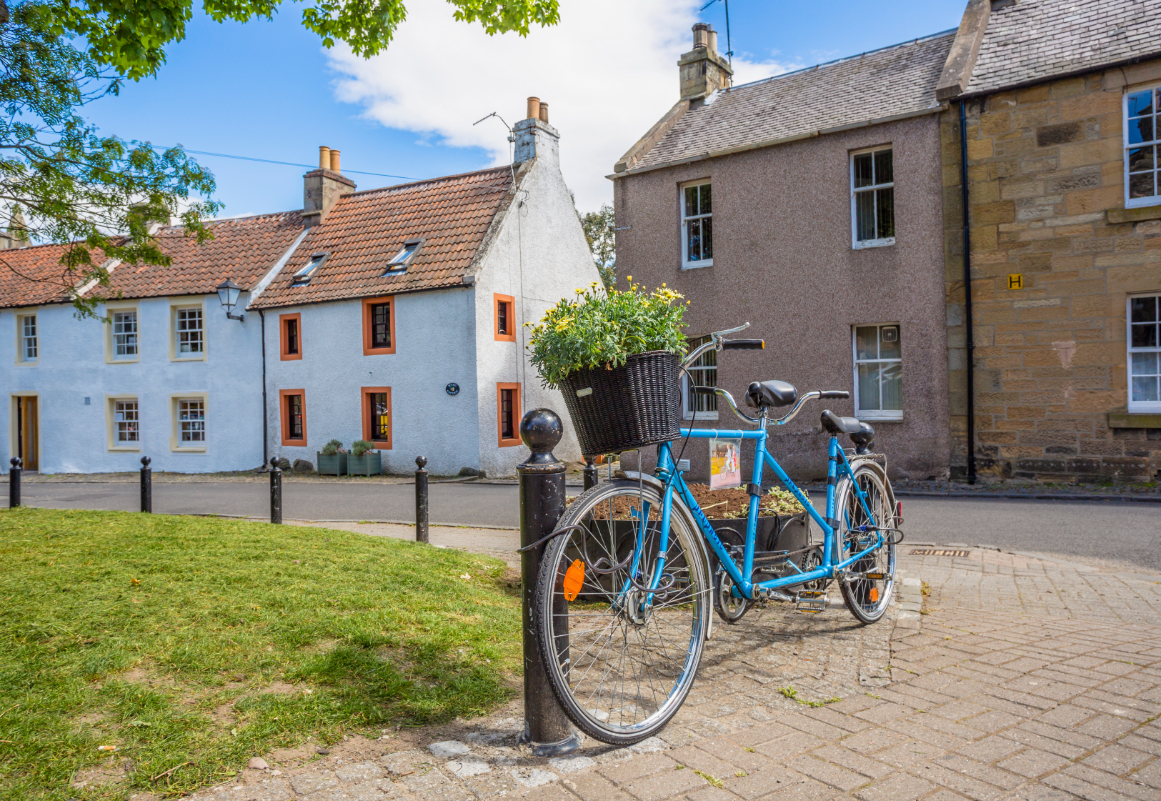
point(866, 599)
point(667, 671)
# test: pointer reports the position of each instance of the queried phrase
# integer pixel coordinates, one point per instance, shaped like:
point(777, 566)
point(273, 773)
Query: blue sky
point(270, 90)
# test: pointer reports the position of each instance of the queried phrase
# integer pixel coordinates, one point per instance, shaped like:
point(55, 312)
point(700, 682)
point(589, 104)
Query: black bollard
point(590, 474)
point(275, 491)
point(14, 483)
point(421, 499)
point(546, 728)
point(146, 486)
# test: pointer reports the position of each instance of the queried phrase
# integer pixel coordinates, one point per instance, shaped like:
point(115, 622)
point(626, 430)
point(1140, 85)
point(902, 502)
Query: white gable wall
point(539, 255)
point(74, 435)
point(434, 346)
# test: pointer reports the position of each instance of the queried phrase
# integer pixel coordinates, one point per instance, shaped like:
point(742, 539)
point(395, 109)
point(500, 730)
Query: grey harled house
point(808, 204)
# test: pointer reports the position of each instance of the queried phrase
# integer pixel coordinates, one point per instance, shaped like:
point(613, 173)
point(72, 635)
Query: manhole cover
point(937, 552)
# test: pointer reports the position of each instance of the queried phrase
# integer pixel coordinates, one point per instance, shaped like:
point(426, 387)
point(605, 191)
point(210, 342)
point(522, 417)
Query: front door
point(27, 427)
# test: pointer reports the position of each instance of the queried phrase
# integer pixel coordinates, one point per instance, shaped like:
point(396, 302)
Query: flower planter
point(369, 464)
point(627, 407)
point(335, 465)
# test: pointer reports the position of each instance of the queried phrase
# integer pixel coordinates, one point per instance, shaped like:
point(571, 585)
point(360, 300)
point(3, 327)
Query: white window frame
point(873, 414)
point(856, 244)
point(686, 264)
point(178, 443)
point(305, 273)
point(175, 313)
point(688, 398)
point(116, 442)
point(1155, 142)
point(127, 426)
point(136, 335)
point(23, 338)
point(1139, 407)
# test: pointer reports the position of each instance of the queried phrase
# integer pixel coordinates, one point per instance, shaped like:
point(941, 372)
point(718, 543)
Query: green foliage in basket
point(781, 502)
point(333, 448)
point(360, 447)
point(602, 328)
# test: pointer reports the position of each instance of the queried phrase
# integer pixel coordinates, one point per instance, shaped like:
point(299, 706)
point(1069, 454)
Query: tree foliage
point(599, 227)
point(80, 187)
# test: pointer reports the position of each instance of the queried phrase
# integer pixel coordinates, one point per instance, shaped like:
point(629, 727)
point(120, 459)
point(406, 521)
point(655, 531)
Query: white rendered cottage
point(399, 320)
point(393, 315)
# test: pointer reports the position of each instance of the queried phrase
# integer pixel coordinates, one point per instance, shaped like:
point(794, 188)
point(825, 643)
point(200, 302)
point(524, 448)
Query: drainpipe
point(967, 296)
point(265, 439)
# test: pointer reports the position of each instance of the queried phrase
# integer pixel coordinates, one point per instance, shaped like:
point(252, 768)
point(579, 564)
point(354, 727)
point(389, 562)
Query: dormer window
point(400, 260)
point(303, 276)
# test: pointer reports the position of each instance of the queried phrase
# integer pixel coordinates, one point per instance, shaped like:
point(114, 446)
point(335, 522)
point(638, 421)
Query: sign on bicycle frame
point(725, 463)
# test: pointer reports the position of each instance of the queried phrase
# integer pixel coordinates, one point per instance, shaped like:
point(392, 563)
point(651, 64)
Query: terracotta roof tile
point(34, 276)
point(365, 230)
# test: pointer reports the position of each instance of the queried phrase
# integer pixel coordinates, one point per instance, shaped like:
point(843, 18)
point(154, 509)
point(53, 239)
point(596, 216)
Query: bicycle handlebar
point(840, 394)
point(744, 344)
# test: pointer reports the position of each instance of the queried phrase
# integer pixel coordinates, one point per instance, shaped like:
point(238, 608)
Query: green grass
point(202, 641)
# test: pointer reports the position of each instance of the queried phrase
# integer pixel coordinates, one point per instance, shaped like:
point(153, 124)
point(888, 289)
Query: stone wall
point(1046, 180)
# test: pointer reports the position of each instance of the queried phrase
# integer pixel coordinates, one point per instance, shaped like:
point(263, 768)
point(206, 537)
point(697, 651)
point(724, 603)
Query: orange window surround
point(292, 403)
point(376, 411)
point(378, 325)
point(505, 318)
point(508, 414)
point(290, 336)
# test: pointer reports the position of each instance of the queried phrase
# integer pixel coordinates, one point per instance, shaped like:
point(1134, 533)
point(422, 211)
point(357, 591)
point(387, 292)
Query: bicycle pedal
point(811, 601)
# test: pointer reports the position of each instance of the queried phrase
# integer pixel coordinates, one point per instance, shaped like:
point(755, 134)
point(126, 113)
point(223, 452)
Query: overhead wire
point(283, 163)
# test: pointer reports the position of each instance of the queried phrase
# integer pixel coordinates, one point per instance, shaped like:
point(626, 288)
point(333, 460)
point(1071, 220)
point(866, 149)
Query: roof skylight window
point(400, 260)
point(303, 276)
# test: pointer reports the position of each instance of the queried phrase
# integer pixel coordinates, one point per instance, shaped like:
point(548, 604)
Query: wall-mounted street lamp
point(228, 294)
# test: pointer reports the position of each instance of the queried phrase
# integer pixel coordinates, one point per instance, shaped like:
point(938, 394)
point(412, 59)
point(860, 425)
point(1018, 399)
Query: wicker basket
point(627, 407)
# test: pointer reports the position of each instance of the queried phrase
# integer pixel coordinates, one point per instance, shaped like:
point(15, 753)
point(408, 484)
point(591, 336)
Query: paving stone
point(1033, 762)
point(1116, 759)
point(896, 787)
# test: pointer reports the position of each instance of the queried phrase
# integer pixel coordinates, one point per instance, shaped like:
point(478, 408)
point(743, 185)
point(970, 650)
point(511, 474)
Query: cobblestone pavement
point(1010, 677)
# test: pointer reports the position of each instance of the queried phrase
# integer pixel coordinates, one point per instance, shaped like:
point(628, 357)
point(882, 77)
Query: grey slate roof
point(1036, 39)
point(896, 80)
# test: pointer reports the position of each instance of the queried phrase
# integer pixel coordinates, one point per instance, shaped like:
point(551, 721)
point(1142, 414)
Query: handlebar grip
point(703, 390)
point(835, 393)
point(744, 344)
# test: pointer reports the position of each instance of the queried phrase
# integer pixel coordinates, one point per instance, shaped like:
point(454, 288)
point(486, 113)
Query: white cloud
point(608, 72)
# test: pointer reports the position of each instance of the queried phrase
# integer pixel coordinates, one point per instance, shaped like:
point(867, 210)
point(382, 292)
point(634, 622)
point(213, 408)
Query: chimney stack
point(702, 71)
point(535, 138)
point(323, 187)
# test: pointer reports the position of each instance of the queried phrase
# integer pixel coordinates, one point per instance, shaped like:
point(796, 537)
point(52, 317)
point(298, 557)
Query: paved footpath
point(997, 676)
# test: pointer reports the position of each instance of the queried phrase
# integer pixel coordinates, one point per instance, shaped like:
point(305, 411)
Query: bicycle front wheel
point(868, 582)
point(622, 609)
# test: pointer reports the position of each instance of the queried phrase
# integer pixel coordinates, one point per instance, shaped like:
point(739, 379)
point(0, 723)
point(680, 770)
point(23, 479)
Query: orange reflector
point(574, 579)
point(874, 595)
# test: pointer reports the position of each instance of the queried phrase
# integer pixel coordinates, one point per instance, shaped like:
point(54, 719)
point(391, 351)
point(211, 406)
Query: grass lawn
point(193, 644)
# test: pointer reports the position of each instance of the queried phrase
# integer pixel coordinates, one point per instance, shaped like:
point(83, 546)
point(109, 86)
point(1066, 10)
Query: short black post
point(14, 483)
point(590, 474)
point(421, 533)
point(546, 728)
point(146, 486)
point(275, 491)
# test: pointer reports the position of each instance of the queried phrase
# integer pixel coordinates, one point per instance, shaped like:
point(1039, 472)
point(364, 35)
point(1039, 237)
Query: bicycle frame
point(673, 481)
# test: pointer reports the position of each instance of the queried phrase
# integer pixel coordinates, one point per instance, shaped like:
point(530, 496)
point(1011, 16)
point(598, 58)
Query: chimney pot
point(712, 44)
point(324, 157)
point(335, 161)
point(701, 35)
point(544, 113)
point(533, 108)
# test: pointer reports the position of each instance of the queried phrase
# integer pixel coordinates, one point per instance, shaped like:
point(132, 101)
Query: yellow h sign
point(1016, 281)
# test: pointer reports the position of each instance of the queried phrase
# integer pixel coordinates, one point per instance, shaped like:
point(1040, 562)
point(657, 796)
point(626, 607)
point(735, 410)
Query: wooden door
point(28, 428)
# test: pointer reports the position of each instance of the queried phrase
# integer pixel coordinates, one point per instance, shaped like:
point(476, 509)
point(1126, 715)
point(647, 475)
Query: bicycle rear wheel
point(869, 582)
point(622, 612)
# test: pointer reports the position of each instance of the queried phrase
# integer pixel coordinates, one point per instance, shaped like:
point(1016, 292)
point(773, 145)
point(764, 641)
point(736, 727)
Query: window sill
point(201, 358)
point(123, 449)
point(1134, 213)
point(697, 265)
point(871, 417)
point(123, 361)
point(701, 417)
point(873, 243)
point(28, 364)
point(1135, 419)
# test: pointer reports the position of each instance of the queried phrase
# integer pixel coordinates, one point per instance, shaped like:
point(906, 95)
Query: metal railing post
point(590, 474)
point(546, 728)
point(146, 486)
point(421, 533)
point(14, 483)
point(275, 491)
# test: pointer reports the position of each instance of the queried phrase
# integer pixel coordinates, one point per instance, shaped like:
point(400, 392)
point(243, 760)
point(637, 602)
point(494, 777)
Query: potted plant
point(615, 357)
point(332, 459)
point(364, 459)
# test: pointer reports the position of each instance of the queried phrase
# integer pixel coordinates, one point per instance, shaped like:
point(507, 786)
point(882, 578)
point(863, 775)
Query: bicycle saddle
point(765, 394)
point(860, 433)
